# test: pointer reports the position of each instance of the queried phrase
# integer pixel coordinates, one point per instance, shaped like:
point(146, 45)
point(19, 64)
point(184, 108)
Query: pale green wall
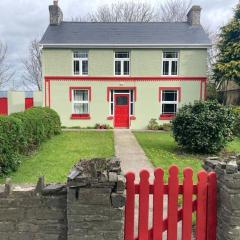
point(147, 105)
point(144, 62)
point(193, 62)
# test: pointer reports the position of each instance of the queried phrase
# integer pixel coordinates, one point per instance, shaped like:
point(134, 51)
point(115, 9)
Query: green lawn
point(162, 150)
point(57, 156)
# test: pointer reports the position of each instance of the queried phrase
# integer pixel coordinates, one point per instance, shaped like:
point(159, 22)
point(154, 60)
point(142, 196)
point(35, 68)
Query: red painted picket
point(199, 198)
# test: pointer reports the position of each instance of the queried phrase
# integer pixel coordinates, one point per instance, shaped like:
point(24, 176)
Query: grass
point(57, 156)
point(163, 151)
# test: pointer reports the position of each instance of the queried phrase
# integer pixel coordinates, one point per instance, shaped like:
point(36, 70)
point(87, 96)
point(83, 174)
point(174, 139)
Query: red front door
point(121, 116)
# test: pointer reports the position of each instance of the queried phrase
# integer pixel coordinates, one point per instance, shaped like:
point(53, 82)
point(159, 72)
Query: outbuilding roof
point(98, 34)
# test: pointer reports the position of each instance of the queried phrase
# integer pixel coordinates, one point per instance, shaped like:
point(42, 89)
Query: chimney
point(193, 16)
point(56, 15)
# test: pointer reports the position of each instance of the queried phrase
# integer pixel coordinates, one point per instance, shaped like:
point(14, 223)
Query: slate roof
point(124, 34)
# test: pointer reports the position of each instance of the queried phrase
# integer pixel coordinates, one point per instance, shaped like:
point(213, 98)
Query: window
point(80, 63)
point(131, 100)
point(80, 101)
point(169, 99)
point(170, 63)
point(122, 63)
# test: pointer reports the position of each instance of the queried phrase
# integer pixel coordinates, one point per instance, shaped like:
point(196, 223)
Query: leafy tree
point(227, 66)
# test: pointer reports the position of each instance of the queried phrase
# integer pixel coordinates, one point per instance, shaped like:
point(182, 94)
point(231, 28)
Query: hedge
point(22, 133)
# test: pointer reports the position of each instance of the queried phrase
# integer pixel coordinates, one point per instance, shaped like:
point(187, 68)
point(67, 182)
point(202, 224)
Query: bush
point(102, 126)
point(23, 132)
point(237, 122)
point(153, 124)
point(204, 127)
point(166, 127)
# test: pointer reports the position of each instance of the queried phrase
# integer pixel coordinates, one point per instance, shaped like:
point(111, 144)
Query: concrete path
point(133, 159)
point(130, 153)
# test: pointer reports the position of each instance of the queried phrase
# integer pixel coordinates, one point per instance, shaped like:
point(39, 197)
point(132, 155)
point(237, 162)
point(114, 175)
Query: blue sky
point(23, 20)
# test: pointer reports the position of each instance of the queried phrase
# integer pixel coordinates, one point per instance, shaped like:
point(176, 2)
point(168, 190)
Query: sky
point(24, 20)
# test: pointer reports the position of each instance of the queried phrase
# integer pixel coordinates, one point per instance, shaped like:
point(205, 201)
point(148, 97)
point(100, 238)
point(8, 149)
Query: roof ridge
point(121, 22)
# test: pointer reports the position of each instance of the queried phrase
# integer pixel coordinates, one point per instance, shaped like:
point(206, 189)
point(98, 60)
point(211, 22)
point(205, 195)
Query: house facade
point(122, 74)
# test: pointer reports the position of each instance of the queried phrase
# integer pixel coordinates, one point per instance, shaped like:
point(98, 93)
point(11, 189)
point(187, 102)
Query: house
point(122, 74)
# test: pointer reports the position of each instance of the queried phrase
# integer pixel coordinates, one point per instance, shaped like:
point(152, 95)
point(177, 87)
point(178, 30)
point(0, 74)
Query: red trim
point(49, 97)
point(167, 116)
point(28, 103)
point(122, 88)
point(138, 78)
point(132, 118)
point(110, 118)
point(83, 88)
point(80, 116)
point(170, 88)
point(4, 106)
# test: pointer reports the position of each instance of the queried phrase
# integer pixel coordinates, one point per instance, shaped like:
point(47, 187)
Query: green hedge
point(22, 133)
point(236, 110)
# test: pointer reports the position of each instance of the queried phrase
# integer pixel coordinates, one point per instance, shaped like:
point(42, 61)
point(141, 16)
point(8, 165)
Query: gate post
point(228, 197)
point(95, 200)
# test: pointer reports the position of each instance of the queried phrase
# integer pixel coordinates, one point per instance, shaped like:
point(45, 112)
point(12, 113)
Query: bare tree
point(33, 66)
point(123, 12)
point(173, 11)
point(5, 72)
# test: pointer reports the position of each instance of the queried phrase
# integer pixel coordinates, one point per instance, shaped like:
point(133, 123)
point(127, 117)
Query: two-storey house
point(122, 74)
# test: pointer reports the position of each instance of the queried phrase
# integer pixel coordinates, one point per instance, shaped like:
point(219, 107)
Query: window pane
point(132, 95)
point(111, 109)
point(170, 54)
point(169, 108)
point(76, 68)
point(85, 67)
point(126, 67)
point(174, 68)
point(165, 68)
point(121, 100)
point(121, 54)
point(169, 95)
point(132, 109)
point(80, 95)
point(112, 91)
point(117, 67)
point(80, 54)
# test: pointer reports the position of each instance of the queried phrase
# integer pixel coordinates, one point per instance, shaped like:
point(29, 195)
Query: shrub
point(237, 121)
point(153, 124)
point(203, 127)
point(166, 127)
point(23, 132)
point(102, 126)
point(11, 131)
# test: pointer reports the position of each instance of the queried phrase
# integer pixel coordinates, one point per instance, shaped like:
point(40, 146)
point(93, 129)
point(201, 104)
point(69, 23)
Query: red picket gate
point(199, 198)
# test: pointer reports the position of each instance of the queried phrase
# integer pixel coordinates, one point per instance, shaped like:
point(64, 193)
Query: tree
point(174, 11)
point(123, 12)
point(227, 66)
point(5, 72)
point(33, 66)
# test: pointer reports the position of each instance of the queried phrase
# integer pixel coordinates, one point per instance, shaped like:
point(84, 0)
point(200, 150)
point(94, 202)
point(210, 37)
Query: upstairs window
point(80, 101)
point(170, 63)
point(80, 63)
point(122, 63)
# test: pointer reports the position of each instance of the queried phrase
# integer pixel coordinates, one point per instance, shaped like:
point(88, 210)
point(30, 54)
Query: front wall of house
point(144, 62)
point(147, 103)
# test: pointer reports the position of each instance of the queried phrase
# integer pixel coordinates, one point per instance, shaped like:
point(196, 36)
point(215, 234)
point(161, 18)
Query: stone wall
point(228, 178)
point(89, 206)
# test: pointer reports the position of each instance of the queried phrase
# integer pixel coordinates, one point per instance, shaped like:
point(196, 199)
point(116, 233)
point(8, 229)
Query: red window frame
point(29, 103)
point(169, 116)
point(84, 116)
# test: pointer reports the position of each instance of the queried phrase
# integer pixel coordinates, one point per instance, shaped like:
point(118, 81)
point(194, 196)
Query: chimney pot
point(56, 15)
point(194, 15)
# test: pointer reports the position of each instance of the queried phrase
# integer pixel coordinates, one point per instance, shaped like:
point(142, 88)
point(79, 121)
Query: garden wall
point(89, 206)
point(18, 101)
point(228, 181)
